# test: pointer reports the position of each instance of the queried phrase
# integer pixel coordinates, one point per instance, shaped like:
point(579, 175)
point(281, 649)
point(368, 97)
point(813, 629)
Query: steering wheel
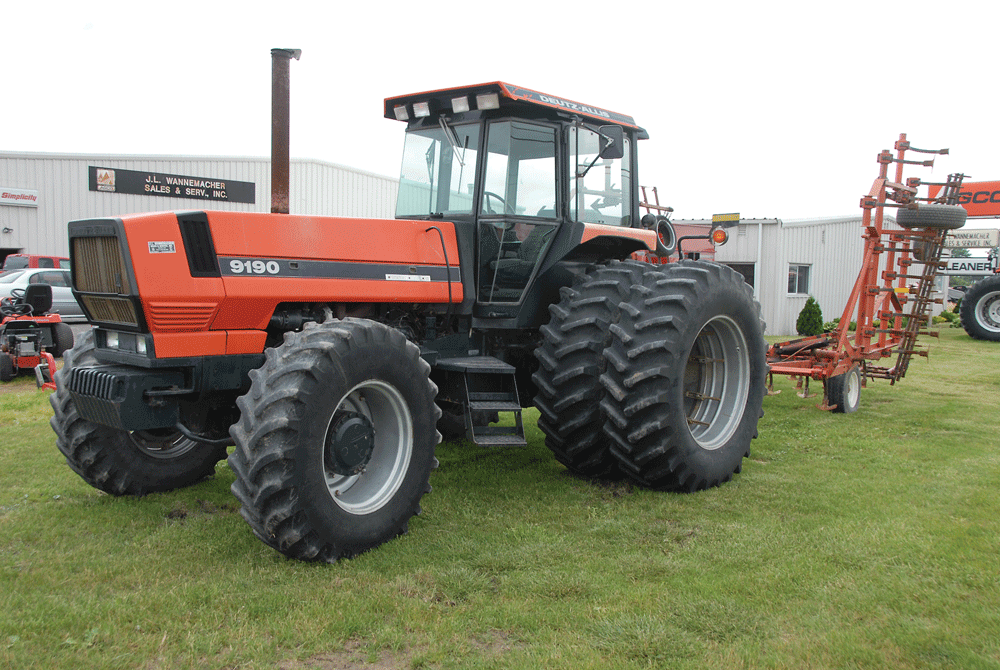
point(489, 210)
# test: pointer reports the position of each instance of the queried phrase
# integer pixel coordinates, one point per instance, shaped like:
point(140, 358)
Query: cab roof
point(498, 95)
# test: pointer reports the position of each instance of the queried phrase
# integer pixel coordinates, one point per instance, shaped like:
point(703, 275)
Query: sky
point(769, 109)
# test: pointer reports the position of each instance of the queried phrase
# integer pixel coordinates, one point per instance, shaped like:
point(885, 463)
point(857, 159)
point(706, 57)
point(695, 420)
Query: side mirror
point(612, 142)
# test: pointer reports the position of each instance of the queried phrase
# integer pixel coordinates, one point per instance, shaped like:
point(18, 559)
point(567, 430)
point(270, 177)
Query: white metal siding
point(832, 247)
point(62, 182)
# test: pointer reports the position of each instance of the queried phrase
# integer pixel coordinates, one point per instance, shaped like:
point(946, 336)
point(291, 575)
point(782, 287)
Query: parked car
point(63, 302)
point(20, 261)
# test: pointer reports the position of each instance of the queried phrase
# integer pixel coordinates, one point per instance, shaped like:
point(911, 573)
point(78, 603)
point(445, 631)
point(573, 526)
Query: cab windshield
point(438, 176)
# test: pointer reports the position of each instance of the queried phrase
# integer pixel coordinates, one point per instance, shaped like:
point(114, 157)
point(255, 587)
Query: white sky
point(770, 109)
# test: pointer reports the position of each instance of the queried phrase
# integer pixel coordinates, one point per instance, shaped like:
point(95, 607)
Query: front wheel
point(120, 462)
point(685, 377)
point(980, 310)
point(335, 443)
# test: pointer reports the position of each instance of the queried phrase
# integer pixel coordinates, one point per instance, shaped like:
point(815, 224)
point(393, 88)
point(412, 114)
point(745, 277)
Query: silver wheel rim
point(165, 445)
point(716, 382)
point(988, 312)
point(852, 392)
point(389, 414)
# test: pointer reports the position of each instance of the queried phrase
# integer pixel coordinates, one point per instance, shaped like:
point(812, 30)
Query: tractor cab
point(519, 173)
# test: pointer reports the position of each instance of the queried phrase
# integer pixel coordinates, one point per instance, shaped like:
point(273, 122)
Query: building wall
point(831, 247)
point(63, 186)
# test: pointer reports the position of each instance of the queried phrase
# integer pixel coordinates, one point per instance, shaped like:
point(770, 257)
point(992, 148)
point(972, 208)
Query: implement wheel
point(931, 215)
point(571, 359)
point(335, 443)
point(120, 462)
point(844, 391)
point(685, 378)
point(980, 310)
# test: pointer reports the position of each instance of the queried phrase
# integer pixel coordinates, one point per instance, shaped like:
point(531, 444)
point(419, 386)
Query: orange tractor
point(330, 351)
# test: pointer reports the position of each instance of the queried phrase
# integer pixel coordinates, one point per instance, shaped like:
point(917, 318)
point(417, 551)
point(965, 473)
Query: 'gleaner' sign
point(968, 266)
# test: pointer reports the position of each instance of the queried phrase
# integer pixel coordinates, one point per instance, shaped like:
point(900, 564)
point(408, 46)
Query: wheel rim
point(852, 390)
point(165, 444)
point(716, 382)
point(387, 412)
point(988, 312)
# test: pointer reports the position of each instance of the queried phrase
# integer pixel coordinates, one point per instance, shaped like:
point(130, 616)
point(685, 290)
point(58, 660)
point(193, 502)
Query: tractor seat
point(39, 298)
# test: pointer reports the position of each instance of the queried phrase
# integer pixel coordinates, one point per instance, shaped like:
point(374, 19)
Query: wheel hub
point(991, 311)
point(350, 443)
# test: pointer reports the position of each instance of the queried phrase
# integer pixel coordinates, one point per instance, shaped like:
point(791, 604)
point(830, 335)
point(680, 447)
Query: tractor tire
point(980, 310)
point(932, 215)
point(335, 443)
point(6, 367)
point(121, 462)
point(62, 339)
point(844, 391)
point(571, 360)
point(685, 378)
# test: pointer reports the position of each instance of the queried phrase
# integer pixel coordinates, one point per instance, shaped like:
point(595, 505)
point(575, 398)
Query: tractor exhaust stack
point(280, 95)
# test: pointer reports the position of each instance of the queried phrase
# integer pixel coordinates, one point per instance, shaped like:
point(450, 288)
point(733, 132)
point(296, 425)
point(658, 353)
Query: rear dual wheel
point(685, 377)
point(571, 359)
point(656, 372)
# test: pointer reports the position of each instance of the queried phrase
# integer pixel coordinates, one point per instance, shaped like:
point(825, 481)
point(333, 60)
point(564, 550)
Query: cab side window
point(600, 191)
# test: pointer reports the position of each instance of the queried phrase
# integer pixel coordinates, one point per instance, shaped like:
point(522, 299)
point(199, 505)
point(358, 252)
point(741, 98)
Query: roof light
point(488, 101)
point(400, 111)
point(460, 104)
point(719, 236)
point(421, 109)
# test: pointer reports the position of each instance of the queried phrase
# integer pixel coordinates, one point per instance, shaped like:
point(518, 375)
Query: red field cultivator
point(892, 296)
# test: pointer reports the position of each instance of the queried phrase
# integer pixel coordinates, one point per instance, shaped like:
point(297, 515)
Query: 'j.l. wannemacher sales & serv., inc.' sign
point(135, 182)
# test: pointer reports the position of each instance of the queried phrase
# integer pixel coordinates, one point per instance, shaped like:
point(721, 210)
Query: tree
point(810, 321)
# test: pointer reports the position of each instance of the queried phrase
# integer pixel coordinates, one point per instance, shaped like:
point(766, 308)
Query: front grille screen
point(111, 310)
point(99, 267)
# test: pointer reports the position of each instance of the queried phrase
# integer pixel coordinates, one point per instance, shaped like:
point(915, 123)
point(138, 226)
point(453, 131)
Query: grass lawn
point(849, 541)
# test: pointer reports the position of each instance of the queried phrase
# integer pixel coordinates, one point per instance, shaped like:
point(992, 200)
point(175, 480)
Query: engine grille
point(180, 317)
point(99, 266)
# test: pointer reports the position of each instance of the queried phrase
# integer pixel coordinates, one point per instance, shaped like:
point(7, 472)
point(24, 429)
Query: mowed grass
point(869, 540)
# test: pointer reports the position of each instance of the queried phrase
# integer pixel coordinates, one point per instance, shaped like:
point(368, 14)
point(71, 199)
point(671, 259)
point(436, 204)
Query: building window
point(798, 279)
point(745, 269)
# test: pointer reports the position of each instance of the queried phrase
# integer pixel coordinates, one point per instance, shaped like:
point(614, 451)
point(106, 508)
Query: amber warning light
point(719, 224)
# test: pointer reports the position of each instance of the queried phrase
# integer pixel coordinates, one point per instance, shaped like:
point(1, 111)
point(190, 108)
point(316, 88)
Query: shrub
point(810, 321)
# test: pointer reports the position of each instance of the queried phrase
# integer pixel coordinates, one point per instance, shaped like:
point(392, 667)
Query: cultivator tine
point(802, 388)
point(770, 385)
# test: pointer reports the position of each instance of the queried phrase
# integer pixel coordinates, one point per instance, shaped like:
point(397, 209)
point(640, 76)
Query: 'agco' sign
point(979, 198)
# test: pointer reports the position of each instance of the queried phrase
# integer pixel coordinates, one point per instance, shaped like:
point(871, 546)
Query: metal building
point(41, 192)
point(786, 261)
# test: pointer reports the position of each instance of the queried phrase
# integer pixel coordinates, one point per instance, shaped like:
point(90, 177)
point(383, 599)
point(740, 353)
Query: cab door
point(518, 207)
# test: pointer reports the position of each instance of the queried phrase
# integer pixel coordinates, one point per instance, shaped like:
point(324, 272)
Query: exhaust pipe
point(280, 95)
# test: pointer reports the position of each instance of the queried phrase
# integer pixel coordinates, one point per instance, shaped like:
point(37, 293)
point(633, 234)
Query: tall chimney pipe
point(280, 95)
